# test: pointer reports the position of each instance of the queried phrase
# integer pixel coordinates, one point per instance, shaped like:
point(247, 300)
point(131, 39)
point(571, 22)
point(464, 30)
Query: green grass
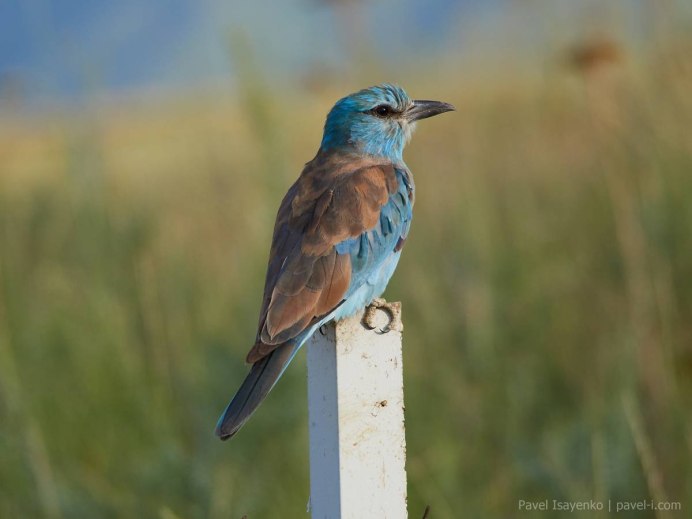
point(547, 290)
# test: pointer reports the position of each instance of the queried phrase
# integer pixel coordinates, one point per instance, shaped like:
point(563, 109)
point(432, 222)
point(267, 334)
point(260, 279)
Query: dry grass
point(547, 280)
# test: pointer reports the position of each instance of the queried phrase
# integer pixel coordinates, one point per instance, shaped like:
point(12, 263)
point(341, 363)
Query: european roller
point(338, 235)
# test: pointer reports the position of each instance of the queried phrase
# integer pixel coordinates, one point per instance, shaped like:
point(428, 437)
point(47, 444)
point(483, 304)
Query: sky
point(65, 48)
point(68, 49)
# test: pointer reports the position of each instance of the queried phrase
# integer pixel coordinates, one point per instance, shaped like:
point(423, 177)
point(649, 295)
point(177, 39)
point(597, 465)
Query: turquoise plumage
point(338, 236)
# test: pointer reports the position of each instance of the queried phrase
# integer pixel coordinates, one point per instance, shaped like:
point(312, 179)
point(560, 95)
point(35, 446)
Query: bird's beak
point(423, 109)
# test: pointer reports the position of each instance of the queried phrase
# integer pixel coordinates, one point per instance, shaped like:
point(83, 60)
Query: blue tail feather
point(254, 389)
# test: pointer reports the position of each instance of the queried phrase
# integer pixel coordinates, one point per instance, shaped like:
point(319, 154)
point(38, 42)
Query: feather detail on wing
point(336, 198)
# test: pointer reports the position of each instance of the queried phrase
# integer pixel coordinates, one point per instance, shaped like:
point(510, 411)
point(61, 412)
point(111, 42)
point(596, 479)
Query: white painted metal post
point(356, 409)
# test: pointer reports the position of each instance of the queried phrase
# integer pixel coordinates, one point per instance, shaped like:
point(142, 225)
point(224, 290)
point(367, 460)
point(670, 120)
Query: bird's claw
point(393, 311)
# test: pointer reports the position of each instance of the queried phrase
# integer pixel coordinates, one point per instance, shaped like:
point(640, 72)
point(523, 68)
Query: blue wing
point(375, 253)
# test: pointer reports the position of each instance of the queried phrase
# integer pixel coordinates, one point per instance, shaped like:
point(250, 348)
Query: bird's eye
point(382, 110)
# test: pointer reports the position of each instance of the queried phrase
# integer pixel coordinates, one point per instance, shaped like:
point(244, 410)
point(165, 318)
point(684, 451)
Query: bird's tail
point(254, 389)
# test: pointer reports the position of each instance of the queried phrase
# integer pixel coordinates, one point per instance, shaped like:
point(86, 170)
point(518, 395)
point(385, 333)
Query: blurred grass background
point(547, 290)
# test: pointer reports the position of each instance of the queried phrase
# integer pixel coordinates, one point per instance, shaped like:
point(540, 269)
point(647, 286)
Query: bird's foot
point(392, 311)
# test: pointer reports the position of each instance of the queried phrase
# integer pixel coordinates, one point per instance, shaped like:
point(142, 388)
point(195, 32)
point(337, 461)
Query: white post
point(356, 412)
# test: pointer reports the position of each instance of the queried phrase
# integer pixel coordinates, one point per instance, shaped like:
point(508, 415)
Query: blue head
point(377, 121)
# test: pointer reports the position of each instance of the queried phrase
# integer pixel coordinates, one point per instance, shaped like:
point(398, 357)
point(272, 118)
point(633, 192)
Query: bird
point(339, 233)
